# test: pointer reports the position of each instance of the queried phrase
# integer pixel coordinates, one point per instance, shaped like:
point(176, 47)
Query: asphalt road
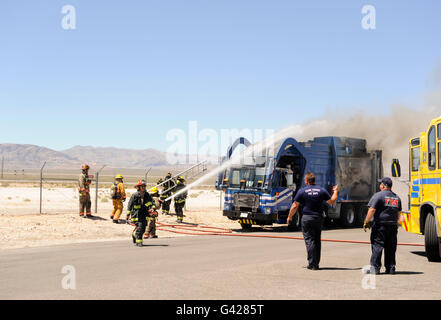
point(215, 267)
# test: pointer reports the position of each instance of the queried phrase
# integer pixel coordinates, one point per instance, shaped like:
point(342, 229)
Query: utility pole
point(96, 190)
point(3, 164)
point(41, 185)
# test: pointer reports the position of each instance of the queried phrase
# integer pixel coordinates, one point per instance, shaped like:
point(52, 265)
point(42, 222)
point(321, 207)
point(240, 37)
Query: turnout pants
point(166, 206)
point(151, 226)
point(139, 230)
point(85, 204)
point(117, 208)
point(179, 208)
point(383, 236)
point(312, 231)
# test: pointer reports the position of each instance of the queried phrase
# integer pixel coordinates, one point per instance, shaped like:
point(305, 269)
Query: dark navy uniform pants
point(312, 231)
point(383, 236)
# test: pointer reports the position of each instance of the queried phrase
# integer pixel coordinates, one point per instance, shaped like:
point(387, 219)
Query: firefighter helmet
point(85, 167)
point(154, 190)
point(119, 176)
point(140, 183)
point(181, 179)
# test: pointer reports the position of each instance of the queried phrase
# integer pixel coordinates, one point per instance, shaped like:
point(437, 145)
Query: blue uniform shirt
point(311, 198)
point(387, 205)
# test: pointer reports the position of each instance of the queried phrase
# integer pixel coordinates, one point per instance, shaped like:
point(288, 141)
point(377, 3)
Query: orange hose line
point(229, 232)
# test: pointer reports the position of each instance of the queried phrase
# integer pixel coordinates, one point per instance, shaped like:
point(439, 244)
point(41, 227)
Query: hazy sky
point(133, 70)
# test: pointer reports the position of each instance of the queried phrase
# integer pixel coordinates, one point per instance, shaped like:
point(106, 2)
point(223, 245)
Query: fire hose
point(199, 230)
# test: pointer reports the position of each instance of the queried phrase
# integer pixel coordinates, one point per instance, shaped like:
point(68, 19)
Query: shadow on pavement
point(95, 218)
point(408, 272)
point(419, 253)
point(154, 245)
point(338, 268)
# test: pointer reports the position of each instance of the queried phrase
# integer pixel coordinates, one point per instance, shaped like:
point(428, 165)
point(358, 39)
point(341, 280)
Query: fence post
point(41, 185)
point(147, 172)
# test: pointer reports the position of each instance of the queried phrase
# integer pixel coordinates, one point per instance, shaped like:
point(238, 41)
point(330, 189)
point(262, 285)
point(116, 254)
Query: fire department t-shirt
point(311, 198)
point(387, 205)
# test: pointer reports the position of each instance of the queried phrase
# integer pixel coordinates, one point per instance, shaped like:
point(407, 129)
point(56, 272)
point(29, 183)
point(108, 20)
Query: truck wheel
point(431, 240)
point(246, 226)
point(295, 224)
point(348, 217)
point(361, 215)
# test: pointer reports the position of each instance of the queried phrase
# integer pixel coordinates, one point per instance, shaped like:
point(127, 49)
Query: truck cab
point(424, 215)
point(262, 190)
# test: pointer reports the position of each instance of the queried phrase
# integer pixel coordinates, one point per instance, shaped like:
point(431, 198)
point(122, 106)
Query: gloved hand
point(366, 225)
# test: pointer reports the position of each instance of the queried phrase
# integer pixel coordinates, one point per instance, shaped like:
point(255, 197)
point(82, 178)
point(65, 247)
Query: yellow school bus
point(424, 215)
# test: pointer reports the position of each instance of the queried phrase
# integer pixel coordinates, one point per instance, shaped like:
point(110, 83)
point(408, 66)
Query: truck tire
point(431, 240)
point(361, 212)
point(348, 216)
point(296, 223)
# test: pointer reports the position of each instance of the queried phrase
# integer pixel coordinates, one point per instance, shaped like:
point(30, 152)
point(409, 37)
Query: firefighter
point(118, 194)
point(385, 209)
point(311, 197)
point(151, 221)
point(140, 207)
point(180, 199)
point(84, 192)
point(167, 189)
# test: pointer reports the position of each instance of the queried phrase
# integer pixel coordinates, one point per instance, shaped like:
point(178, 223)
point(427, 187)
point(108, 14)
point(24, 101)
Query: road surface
point(215, 267)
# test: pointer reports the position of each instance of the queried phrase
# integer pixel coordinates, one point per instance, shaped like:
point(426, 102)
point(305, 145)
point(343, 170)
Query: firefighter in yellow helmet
point(84, 192)
point(118, 194)
point(140, 207)
point(180, 199)
point(151, 220)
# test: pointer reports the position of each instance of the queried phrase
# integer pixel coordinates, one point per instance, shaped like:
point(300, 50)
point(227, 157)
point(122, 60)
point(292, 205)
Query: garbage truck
point(260, 189)
point(424, 211)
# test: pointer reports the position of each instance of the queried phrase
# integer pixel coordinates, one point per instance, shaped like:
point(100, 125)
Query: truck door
point(415, 191)
point(283, 191)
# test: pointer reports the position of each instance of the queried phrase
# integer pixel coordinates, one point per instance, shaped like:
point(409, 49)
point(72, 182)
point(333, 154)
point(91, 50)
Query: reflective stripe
point(138, 240)
point(148, 204)
point(180, 201)
point(136, 207)
point(134, 219)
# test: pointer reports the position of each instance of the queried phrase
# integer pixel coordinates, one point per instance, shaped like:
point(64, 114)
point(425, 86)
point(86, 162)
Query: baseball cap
point(386, 181)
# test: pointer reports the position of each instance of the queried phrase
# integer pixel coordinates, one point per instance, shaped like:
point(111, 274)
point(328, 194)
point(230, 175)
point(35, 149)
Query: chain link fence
point(49, 190)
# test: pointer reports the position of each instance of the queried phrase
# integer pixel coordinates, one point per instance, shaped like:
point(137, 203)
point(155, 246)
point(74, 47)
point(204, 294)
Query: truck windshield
point(251, 175)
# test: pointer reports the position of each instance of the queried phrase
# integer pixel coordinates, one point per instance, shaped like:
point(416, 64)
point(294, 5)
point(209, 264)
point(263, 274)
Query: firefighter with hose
point(140, 207)
point(151, 220)
point(166, 192)
point(180, 199)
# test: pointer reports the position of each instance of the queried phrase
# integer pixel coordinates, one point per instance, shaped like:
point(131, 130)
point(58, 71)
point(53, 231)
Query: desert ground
point(21, 224)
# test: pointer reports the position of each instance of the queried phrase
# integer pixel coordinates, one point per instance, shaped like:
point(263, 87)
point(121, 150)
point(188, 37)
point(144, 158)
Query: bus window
point(432, 149)
point(439, 155)
point(415, 159)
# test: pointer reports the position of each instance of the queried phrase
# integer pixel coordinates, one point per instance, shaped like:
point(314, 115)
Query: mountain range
point(26, 156)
